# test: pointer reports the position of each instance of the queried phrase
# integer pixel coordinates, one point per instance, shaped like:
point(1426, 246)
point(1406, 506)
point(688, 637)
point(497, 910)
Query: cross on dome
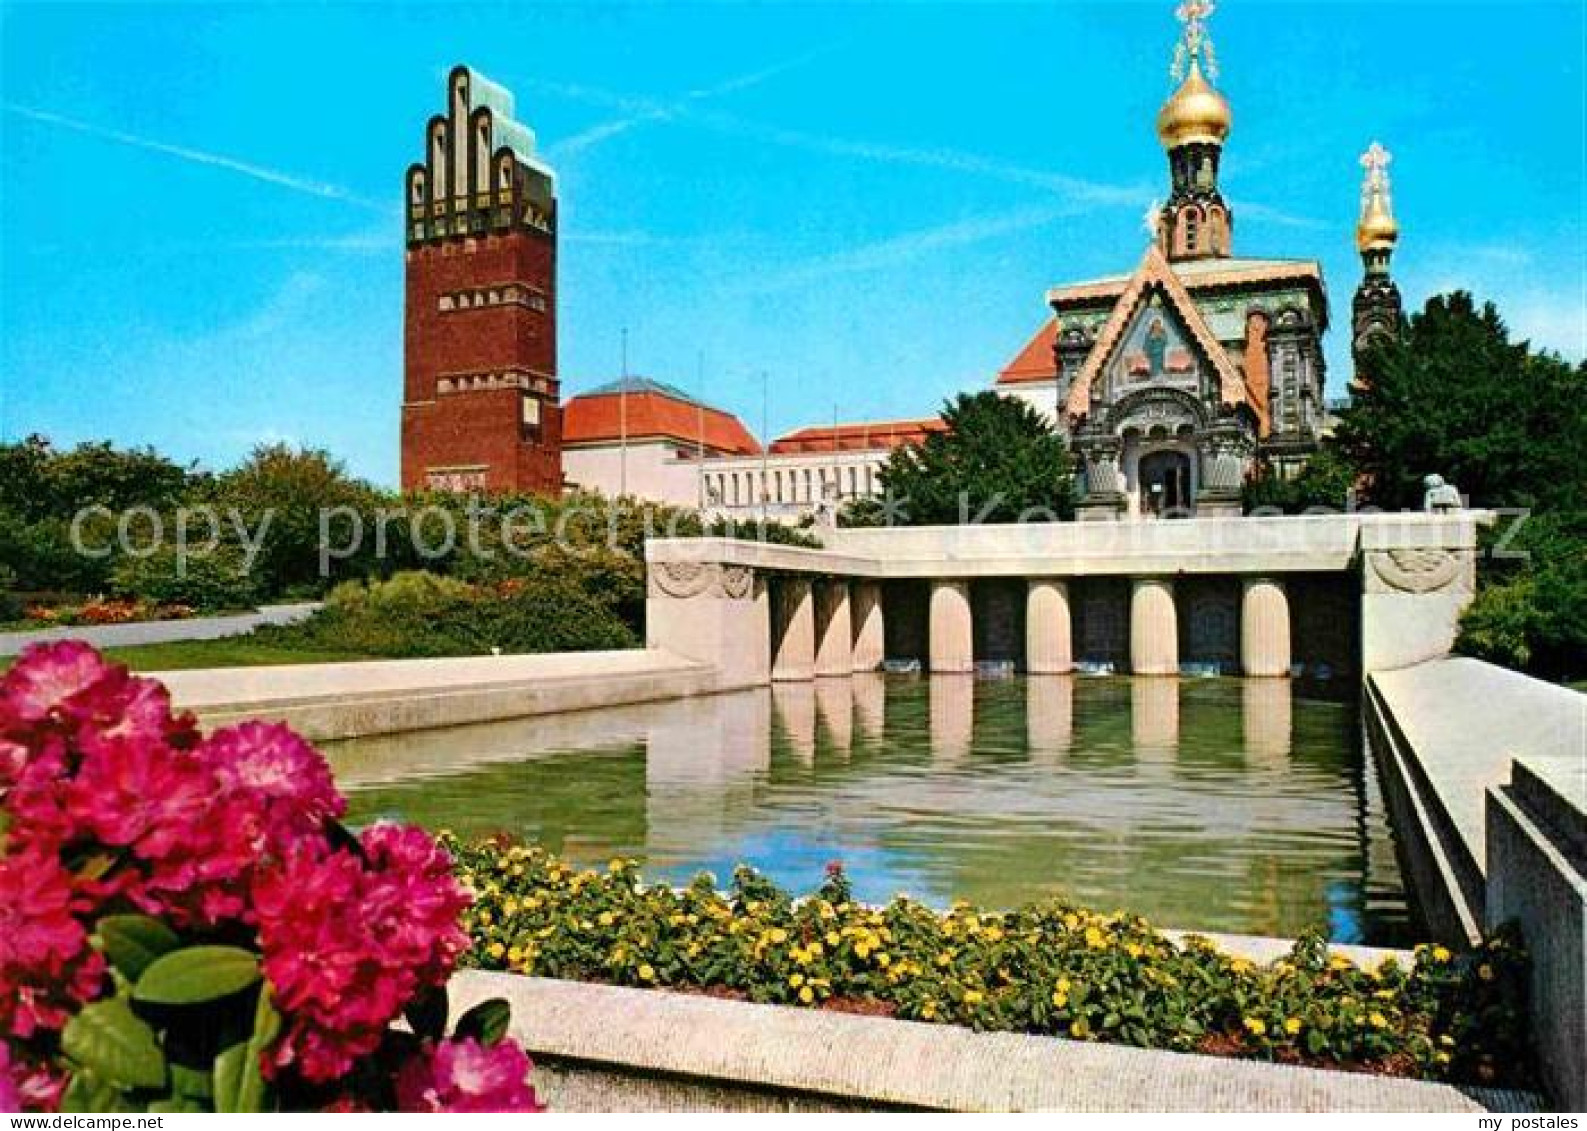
point(1195, 42)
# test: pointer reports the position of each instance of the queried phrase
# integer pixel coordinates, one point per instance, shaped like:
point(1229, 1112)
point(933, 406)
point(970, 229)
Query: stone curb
point(735, 1055)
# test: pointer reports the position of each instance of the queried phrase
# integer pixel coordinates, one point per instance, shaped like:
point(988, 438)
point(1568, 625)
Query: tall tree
point(1454, 396)
point(998, 460)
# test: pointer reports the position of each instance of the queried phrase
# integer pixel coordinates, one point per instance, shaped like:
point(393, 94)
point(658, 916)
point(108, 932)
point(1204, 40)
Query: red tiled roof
point(1035, 362)
point(866, 435)
point(596, 418)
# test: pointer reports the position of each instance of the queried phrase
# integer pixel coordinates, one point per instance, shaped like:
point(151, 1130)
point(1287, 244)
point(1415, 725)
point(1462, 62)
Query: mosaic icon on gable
point(1155, 350)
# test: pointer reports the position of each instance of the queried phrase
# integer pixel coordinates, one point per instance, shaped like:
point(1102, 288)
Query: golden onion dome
point(1194, 113)
point(1377, 230)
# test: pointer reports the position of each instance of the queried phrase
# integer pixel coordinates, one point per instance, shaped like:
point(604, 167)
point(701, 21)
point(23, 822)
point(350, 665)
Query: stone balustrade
point(759, 612)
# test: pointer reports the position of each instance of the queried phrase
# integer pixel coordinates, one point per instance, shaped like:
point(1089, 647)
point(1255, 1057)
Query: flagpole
point(765, 441)
point(622, 422)
point(699, 414)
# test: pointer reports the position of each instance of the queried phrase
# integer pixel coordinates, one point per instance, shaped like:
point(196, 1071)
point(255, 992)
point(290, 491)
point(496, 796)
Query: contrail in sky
point(199, 157)
point(638, 111)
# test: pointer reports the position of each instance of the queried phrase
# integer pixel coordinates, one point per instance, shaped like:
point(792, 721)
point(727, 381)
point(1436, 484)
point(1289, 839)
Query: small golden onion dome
point(1378, 230)
point(1194, 113)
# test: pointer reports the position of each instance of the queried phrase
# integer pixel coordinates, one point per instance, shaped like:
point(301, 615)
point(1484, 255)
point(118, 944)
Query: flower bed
point(1045, 968)
point(103, 611)
point(185, 926)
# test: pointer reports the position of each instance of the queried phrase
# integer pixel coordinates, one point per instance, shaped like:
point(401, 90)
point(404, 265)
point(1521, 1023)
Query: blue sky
point(200, 242)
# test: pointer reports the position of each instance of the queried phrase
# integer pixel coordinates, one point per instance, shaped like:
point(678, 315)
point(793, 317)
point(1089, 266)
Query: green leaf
point(115, 1045)
point(132, 942)
point(197, 974)
point(239, 1085)
point(427, 1013)
point(88, 1093)
point(228, 1073)
point(487, 1022)
point(191, 1082)
point(178, 1105)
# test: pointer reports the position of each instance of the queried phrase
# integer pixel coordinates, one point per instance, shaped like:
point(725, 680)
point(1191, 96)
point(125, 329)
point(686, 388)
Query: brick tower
point(480, 408)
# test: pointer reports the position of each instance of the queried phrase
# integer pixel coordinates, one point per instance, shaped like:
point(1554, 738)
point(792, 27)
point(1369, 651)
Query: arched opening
point(1165, 484)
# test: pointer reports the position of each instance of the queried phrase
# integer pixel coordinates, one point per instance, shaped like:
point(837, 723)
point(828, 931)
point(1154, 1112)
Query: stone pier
point(1264, 628)
point(952, 631)
point(834, 633)
point(1049, 633)
point(865, 614)
point(793, 630)
point(1154, 627)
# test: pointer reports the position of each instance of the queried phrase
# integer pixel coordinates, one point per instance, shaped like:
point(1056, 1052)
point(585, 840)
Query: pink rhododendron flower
point(140, 795)
point(10, 1092)
point(282, 775)
point(28, 1087)
point(45, 677)
point(47, 968)
point(225, 835)
point(467, 1076)
point(348, 942)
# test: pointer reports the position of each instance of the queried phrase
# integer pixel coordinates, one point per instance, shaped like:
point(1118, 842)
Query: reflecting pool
point(1211, 804)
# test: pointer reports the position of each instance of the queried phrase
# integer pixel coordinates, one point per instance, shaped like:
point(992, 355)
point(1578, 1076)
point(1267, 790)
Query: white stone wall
point(658, 470)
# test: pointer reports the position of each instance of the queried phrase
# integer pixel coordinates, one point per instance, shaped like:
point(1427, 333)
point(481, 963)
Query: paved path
point(161, 631)
point(1466, 720)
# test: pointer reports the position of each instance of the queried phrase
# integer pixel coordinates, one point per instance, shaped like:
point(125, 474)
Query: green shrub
point(410, 591)
point(1531, 614)
point(11, 603)
point(294, 487)
point(41, 556)
point(1323, 484)
point(1047, 967)
point(211, 582)
point(417, 614)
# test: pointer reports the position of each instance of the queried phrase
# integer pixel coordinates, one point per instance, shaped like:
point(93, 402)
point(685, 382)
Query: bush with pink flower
point(185, 926)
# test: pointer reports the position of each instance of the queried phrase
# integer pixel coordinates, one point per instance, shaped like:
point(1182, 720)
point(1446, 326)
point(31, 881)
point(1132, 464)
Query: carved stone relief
point(685, 580)
point(1416, 570)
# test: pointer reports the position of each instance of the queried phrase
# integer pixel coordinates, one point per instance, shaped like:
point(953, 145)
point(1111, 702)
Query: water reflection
point(1154, 717)
point(952, 716)
point(1049, 714)
point(835, 705)
point(1267, 716)
point(1204, 803)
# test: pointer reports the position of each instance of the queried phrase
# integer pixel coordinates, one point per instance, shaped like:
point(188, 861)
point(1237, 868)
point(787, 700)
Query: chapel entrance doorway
point(1165, 485)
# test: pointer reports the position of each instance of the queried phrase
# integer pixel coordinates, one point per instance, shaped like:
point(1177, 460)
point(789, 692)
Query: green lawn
point(228, 652)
